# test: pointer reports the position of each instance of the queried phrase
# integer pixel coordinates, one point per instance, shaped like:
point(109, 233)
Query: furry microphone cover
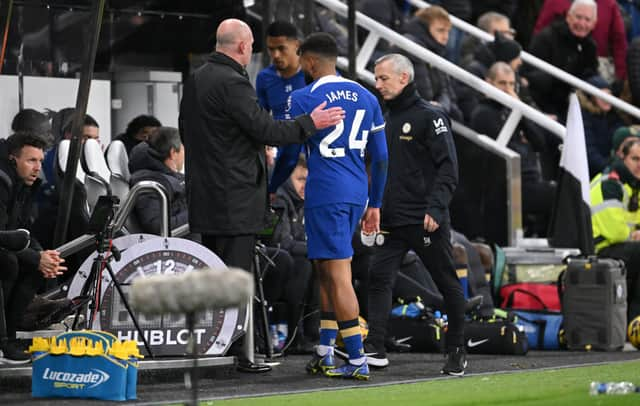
point(192, 291)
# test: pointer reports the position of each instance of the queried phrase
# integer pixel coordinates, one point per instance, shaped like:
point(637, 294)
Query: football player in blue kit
point(336, 195)
point(275, 83)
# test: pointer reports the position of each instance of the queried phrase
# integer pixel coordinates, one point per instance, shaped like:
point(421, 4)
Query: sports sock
point(351, 335)
point(328, 332)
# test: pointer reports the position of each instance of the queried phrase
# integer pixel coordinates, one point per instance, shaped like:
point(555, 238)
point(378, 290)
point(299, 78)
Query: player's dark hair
point(282, 29)
point(141, 122)
point(20, 139)
point(88, 121)
point(320, 43)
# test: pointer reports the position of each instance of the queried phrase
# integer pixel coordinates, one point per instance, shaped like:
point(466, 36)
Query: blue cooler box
point(97, 377)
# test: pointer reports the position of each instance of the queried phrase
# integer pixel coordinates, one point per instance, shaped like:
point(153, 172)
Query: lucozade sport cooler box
point(84, 364)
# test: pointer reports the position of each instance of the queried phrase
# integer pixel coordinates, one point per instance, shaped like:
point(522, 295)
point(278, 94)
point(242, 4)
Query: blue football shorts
point(330, 228)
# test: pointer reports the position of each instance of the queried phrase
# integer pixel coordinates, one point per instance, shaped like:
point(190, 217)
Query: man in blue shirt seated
point(275, 83)
point(336, 195)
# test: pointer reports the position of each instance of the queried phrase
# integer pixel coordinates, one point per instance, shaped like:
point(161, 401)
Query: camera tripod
point(106, 251)
point(259, 252)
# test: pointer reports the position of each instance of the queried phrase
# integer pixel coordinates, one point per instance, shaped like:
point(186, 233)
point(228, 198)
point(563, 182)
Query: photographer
point(22, 273)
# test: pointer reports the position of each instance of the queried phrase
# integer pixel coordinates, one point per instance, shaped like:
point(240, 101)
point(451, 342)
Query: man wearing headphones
point(21, 272)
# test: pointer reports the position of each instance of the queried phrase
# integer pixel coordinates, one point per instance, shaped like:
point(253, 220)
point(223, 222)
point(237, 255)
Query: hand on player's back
point(323, 118)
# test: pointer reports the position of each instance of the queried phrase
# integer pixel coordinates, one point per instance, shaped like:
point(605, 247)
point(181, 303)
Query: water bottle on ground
point(613, 388)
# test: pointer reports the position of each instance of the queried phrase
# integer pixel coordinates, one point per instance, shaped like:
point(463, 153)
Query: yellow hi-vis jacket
point(611, 219)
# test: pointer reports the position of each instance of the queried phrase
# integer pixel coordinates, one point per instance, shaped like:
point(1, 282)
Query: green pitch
point(568, 386)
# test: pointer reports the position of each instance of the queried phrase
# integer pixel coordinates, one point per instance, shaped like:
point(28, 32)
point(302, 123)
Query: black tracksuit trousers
point(434, 249)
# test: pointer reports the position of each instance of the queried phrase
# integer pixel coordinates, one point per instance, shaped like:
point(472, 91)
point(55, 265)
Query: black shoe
point(456, 362)
point(43, 312)
point(394, 345)
point(376, 357)
point(13, 353)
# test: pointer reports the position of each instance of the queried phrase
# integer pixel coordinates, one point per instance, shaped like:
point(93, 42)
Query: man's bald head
point(234, 39)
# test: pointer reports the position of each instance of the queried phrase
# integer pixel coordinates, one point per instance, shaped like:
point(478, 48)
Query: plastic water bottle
point(273, 332)
point(612, 388)
point(438, 318)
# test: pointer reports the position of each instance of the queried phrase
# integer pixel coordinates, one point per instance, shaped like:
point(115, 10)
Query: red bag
point(530, 296)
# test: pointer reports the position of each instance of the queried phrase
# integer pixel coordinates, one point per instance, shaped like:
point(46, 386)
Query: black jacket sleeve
point(242, 105)
point(485, 121)
point(31, 255)
point(541, 47)
point(4, 204)
point(283, 233)
point(445, 162)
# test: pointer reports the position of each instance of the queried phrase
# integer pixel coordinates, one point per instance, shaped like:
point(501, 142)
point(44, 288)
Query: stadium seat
point(98, 173)
point(63, 154)
point(118, 162)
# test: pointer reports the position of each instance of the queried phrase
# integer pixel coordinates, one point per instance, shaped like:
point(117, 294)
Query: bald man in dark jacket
point(224, 132)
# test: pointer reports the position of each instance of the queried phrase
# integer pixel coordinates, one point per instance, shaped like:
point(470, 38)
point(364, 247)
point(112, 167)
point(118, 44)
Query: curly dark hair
point(20, 139)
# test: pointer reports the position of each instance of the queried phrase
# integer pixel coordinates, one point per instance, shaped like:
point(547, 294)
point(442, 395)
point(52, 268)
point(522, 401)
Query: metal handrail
point(513, 179)
point(120, 218)
point(379, 31)
point(543, 65)
point(136, 190)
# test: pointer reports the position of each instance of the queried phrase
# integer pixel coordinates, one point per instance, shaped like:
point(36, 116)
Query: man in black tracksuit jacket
point(423, 174)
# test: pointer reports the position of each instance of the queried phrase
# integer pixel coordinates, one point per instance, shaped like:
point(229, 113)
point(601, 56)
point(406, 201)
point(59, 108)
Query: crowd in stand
point(594, 41)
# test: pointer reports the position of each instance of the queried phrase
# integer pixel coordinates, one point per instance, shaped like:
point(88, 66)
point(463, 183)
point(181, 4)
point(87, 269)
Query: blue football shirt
point(273, 90)
point(335, 155)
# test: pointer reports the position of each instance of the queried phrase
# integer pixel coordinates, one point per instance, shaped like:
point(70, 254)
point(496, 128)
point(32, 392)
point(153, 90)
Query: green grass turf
point(568, 386)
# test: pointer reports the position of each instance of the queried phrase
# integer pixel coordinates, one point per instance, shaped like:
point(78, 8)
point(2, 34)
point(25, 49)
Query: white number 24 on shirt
point(354, 142)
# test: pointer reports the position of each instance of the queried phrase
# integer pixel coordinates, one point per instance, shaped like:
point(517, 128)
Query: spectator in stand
point(90, 129)
point(462, 10)
point(615, 220)
point(600, 122)
point(289, 234)
point(502, 49)
point(430, 28)
point(490, 22)
point(390, 13)
point(505, 7)
point(566, 44)
point(33, 121)
point(161, 161)
point(275, 83)
point(23, 272)
point(527, 140)
point(524, 20)
point(633, 62)
point(608, 32)
point(138, 130)
point(630, 10)
point(621, 137)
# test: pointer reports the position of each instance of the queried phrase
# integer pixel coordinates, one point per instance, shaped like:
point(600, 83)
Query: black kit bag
point(495, 336)
point(422, 334)
point(410, 322)
point(594, 304)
